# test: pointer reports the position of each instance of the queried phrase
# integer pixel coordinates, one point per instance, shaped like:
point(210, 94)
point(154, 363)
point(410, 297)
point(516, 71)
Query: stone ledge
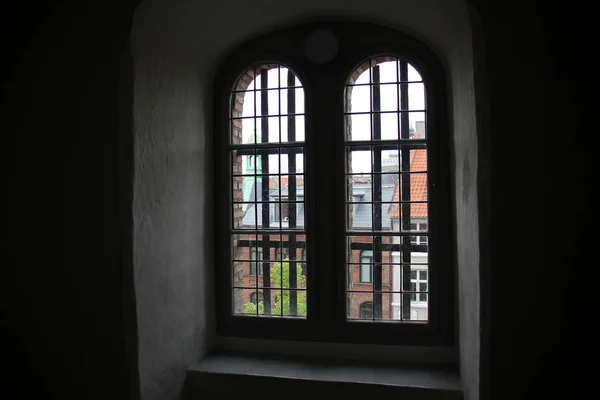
point(256, 377)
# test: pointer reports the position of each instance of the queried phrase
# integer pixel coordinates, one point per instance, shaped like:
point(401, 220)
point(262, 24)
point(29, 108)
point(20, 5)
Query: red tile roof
point(274, 182)
point(418, 186)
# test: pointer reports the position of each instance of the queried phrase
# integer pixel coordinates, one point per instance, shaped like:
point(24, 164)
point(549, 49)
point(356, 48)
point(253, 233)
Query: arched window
point(366, 310)
point(386, 144)
point(347, 134)
point(267, 195)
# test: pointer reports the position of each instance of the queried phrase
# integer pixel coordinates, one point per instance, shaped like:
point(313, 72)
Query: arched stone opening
point(174, 65)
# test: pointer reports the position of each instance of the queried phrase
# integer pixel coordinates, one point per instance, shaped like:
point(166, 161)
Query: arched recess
point(176, 48)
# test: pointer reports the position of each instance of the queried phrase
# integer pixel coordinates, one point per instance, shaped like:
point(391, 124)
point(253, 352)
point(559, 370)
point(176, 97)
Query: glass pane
point(388, 96)
point(413, 187)
point(413, 74)
point(292, 160)
point(292, 128)
point(293, 303)
point(415, 93)
point(416, 125)
point(378, 306)
point(383, 217)
point(358, 127)
point(292, 101)
point(358, 161)
point(388, 70)
point(292, 187)
point(361, 75)
point(360, 216)
point(244, 215)
point(360, 305)
point(389, 126)
point(293, 264)
point(243, 304)
point(285, 80)
point(366, 272)
point(300, 164)
point(358, 188)
point(243, 162)
point(416, 227)
point(355, 275)
point(358, 99)
point(386, 159)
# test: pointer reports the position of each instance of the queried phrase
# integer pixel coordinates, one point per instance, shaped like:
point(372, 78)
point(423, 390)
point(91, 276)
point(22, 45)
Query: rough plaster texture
point(170, 235)
point(177, 45)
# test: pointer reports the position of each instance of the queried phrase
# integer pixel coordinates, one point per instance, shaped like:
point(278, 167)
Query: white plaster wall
point(171, 235)
point(177, 46)
point(465, 159)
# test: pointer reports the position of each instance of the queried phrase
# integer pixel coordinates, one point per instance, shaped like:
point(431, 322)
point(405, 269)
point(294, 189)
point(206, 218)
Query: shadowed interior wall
point(176, 54)
point(69, 330)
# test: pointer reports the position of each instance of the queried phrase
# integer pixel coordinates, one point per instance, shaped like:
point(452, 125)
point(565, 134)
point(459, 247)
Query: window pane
point(415, 94)
point(268, 193)
point(389, 96)
point(416, 127)
point(366, 310)
point(354, 278)
point(386, 191)
point(244, 302)
point(388, 68)
point(355, 301)
point(360, 99)
point(359, 162)
point(389, 126)
point(358, 127)
point(292, 128)
point(359, 188)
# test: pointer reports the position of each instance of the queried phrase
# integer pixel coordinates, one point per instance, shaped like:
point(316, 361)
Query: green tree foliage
point(282, 300)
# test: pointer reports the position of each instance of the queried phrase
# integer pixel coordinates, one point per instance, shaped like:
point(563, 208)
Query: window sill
point(244, 374)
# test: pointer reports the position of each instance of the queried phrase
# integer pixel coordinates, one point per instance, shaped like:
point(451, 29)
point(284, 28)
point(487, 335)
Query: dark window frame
point(326, 320)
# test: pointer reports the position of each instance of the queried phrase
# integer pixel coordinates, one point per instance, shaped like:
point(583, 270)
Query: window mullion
point(291, 109)
point(266, 239)
point(324, 267)
point(377, 197)
point(405, 187)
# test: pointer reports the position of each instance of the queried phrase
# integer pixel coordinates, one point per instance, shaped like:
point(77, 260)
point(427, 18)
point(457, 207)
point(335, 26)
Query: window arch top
point(265, 100)
point(392, 88)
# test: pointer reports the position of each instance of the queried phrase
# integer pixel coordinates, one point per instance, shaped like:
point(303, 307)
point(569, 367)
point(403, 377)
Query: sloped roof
point(362, 215)
point(254, 214)
point(418, 186)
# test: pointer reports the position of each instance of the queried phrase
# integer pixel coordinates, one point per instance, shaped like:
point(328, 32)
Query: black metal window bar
point(268, 230)
point(377, 220)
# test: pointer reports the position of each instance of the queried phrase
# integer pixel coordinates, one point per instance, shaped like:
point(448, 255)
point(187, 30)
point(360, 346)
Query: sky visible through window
point(277, 105)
